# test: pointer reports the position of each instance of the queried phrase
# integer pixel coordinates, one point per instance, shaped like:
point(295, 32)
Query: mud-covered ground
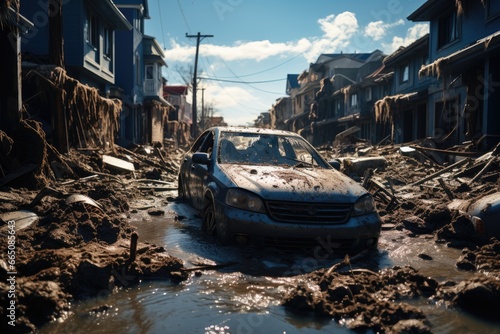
point(78, 250)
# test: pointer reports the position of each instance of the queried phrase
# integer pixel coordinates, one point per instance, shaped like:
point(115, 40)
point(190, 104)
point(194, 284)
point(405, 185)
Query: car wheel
point(181, 193)
point(208, 224)
point(222, 235)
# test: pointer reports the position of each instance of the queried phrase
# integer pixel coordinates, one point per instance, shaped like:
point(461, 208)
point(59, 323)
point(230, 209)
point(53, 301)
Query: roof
point(362, 57)
point(109, 10)
point(175, 90)
point(141, 5)
point(153, 50)
point(431, 9)
point(292, 80)
point(420, 44)
point(458, 58)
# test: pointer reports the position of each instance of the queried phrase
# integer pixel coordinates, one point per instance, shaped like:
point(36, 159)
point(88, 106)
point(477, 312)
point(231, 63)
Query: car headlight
point(244, 200)
point(363, 206)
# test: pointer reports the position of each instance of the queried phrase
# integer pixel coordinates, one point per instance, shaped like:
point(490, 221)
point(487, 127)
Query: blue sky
point(256, 43)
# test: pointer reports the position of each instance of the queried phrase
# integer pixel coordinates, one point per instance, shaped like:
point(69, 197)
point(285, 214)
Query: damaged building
point(90, 74)
point(443, 87)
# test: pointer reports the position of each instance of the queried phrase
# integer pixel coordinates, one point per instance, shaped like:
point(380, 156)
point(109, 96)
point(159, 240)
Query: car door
point(199, 173)
point(186, 169)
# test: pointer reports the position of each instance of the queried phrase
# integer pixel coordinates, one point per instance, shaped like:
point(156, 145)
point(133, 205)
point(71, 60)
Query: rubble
point(413, 196)
point(76, 242)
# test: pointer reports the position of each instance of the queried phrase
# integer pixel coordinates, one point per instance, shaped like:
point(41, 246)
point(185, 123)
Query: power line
point(183, 15)
point(271, 68)
point(161, 25)
point(241, 82)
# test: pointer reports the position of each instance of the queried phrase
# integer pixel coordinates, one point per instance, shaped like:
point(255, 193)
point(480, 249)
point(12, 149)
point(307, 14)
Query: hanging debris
point(385, 108)
point(463, 6)
point(92, 120)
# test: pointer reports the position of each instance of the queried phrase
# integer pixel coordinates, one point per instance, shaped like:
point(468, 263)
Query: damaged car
point(272, 188)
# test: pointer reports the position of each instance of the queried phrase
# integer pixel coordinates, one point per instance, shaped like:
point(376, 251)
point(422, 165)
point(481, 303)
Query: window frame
point(92, 30)
point(450, 22)
point(108, 42)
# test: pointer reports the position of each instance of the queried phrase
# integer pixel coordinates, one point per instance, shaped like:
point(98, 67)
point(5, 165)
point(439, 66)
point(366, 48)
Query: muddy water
point(243, 295)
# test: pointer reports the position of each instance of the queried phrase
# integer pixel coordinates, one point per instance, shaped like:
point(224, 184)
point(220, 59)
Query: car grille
point(298, 212)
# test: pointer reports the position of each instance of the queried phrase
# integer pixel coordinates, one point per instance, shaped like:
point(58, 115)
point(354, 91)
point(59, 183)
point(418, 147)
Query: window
point(404, 74)
point(354, 100)
point(447, 29)
point(368, 94)
point(92, 30)
point(108, 42)
point(149, 72)
point(137, 68)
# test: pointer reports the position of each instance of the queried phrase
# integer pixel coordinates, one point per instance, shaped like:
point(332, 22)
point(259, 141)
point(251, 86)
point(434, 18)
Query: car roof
point(249, 129)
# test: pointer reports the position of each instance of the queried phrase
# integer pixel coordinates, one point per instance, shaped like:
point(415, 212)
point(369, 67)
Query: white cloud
point(413, 33)
point(337, 32)
point(378, 29)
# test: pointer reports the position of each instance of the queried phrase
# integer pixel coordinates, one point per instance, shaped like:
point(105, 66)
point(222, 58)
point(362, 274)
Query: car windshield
point(267, 149)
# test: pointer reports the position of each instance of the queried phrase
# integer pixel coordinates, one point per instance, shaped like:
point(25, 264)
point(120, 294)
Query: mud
point(365, 300)
point(77, 251)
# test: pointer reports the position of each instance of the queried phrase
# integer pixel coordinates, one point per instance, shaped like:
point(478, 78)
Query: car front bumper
point(357, 232)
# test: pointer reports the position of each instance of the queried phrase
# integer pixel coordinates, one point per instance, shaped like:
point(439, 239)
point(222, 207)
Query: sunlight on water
point(245, 297)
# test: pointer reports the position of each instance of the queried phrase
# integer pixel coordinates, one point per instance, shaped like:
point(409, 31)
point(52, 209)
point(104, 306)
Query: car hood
point(295, 184)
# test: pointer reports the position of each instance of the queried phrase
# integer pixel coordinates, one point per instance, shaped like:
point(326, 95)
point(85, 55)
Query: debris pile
point(69, 212)
point(455, 202)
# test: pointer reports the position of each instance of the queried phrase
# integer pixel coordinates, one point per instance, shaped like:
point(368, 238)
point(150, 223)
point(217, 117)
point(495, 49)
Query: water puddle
point(245, 295)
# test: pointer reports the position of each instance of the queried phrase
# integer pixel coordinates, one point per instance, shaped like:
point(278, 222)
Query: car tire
point(181, 193)
point(222, 234)
point(208, 223)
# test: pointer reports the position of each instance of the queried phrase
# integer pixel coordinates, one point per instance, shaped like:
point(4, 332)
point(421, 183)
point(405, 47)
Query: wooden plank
point(118, 163)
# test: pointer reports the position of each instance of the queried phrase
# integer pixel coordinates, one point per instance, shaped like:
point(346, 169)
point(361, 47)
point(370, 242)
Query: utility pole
point(203, 109)
point(199, 37)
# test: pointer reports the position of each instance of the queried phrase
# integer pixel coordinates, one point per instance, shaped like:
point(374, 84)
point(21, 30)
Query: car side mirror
point(201, 158)
point(335, 164)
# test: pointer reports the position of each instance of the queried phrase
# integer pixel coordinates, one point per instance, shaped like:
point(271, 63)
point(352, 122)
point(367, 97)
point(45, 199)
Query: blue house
point(139, 80)
point(464, 58)
point(89, 39)
point(69, 53)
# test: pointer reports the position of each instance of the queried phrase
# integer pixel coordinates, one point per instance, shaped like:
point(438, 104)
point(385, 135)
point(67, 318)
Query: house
point(464, 59)
point(280, 112)
point(155, 106)
point(180, 116)
point(405, 110)
point(69, 53)
point(89, 39)
point(140, 81)
point(330, 98)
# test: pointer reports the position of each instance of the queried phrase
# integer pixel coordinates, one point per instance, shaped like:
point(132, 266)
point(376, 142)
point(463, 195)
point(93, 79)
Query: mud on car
point(272, 188)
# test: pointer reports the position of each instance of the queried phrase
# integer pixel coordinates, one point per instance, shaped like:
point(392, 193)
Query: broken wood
point(118, 163)
point(457, 153)
point(138, 156)
point(446, 189)
point(379, 191)
point(484, 170)
point(442, 171)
